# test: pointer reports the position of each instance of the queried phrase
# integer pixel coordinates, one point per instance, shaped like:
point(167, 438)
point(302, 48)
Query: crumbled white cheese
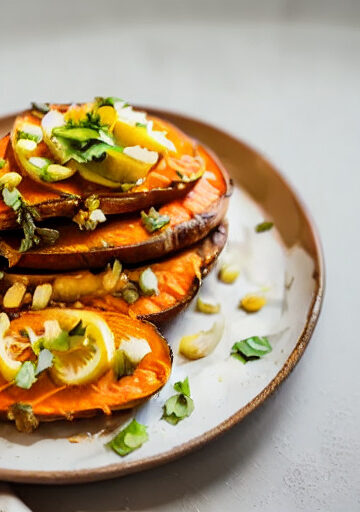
point(141, 154)
point(135, 349)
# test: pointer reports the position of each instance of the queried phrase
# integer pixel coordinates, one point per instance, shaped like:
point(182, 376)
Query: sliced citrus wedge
point(90, 354)
point(8, 366)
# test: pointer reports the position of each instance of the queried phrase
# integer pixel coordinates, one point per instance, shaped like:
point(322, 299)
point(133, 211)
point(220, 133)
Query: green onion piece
point(129, 439)
point(25, 377)
point(148, 282)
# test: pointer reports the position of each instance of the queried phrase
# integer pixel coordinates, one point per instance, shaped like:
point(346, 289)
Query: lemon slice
point(8, 366)
point(89, 357)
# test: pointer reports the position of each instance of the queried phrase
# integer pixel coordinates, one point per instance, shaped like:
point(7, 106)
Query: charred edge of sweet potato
point(88, 413)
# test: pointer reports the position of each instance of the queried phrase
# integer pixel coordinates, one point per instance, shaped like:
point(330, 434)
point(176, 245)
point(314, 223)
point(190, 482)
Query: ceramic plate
point(284, 263)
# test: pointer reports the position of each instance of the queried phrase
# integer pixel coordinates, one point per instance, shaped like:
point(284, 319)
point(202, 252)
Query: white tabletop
point(286, 78)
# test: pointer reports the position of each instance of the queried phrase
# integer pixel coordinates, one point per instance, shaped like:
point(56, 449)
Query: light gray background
point(284, 76)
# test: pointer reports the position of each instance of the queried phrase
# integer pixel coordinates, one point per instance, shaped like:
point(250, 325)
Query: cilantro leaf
point(129, 439)
point(180, 406)
point(109, 101)
point(183, 387)
point(45, 361)
point(251, 348)
point(154, 220)
point(263, 226)
point(25, 377)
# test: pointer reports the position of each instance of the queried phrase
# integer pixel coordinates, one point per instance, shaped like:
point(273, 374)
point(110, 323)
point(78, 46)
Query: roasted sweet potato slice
point(50, 401)
point(191, 219)
point(179, 278)
point(65, 198)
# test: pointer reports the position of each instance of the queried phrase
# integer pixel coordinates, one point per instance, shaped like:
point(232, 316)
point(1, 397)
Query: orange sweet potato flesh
point(179, 278)
point(65, 198)
point(50, 401)
point(191, 219)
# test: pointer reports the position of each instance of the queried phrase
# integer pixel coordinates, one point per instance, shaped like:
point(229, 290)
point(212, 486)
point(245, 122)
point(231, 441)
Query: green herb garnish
point(26, 216)
point(189, 179)
point(2, 163)
point(25, 377)
point(45, 361)
point(251, 348)
point(20, 134)
point(180, 406)
point(154, 220)
point(109, 101)
point(129, 439)
point(40, 107)
point(141, 125)
point(263, 226)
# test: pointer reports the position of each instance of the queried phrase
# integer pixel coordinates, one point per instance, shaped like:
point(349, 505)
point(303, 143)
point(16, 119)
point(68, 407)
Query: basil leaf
point(263, 226)
point(129, 439)
point(251, 348)
point(153, 220)
point(2, 163)
point(78, 329)
point(45, 361)
point(25, 377)
point(183, 387)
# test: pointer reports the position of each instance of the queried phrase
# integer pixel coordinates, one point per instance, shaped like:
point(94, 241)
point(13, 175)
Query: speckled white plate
point(284, 263)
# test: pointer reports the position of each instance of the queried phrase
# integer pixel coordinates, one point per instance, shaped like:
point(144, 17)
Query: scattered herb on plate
point(251, 348)
point(263, 226)
point(129, 439)
point(180, 406)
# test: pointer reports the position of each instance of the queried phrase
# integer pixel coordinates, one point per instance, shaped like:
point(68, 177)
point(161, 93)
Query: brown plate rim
point(123, 467)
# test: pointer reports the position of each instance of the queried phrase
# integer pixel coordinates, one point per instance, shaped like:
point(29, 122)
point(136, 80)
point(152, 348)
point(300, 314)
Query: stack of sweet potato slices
point(99, 270)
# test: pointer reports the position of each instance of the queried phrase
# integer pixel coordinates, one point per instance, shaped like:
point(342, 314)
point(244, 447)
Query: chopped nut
point(42, 296)
point(207, 307)
point(252, 303)
point(14, 295)
point(229, 273)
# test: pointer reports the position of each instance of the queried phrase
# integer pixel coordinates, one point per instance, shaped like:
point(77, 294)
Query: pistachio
point(252, 303)
point(207, 307)
point(229, 273)
point(14, 295)
point(42, 296)
point(130, 293)
point(10, 180)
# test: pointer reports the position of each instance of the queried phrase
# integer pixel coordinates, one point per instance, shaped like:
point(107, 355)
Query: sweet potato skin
point(179, 279)
point(51, 402)
point(192, 218)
